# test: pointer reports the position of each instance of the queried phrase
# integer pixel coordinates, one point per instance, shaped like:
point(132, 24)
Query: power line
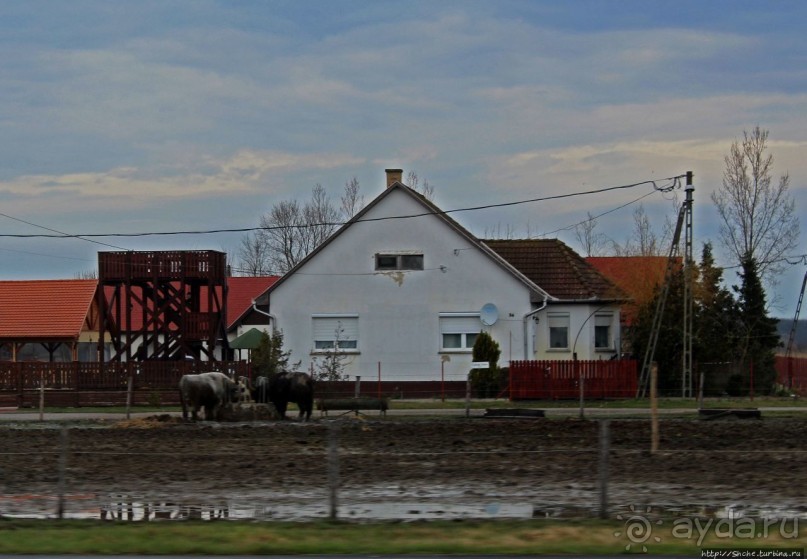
point(674, 182)
point(793, 260)
point(46, 255)
point(592, 218)
point(62, 233)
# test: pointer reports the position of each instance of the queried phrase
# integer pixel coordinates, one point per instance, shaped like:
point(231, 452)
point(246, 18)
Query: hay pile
point(249, 412)
point(151, 422)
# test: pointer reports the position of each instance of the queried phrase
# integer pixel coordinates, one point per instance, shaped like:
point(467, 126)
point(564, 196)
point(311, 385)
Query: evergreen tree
point(669, 349)
point(485, 382)
point(758, 334)
point(269, 358)
point(715, 325)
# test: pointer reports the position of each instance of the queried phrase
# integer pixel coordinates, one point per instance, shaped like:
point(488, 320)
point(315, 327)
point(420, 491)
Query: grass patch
point(253, 538)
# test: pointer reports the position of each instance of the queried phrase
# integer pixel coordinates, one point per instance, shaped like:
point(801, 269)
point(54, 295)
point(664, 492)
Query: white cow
point(209, 390)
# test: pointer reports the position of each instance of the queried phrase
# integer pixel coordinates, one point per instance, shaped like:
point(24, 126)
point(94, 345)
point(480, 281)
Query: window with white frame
point(602, 331)
point(332, 332)
point(392, 261)
point(558, 324)
point(458, 331)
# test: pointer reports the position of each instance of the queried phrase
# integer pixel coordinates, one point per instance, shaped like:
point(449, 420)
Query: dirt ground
point(536, 467)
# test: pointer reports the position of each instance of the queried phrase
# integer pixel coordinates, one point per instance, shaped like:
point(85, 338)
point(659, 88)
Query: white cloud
point(247, 171)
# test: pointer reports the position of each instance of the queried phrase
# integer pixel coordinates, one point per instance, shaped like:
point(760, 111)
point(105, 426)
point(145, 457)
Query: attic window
point(384, 262)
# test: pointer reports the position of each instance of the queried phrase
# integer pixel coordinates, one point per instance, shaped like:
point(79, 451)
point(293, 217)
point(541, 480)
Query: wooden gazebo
point(51, 314)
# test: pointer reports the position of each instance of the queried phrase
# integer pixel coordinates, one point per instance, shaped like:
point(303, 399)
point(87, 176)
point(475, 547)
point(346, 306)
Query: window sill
point(330, 352)
point(458, 350)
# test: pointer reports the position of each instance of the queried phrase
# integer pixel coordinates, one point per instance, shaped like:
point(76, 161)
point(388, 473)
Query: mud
point(394, 468)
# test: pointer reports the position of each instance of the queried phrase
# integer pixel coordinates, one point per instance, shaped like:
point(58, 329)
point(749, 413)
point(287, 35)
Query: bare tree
point(643, 240)
point(320, 219)
point(87, 275)
point(291, 230)
point(759, 218)
point(352, 200)
point(280, 230)
point(253, 255)
point(500, 232)
point(426, 188)
point(592, 243)
point(331, 367)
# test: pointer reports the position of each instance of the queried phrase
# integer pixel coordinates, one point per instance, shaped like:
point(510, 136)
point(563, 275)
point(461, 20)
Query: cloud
point(245, 172)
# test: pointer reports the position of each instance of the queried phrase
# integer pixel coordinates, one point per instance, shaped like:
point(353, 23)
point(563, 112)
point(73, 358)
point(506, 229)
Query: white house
point(404, 290)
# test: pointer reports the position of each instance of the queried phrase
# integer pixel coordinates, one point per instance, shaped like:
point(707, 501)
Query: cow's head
point(243, 390)
point(230, 390)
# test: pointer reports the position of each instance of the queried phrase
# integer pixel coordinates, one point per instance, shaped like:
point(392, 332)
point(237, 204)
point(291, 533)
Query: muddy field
point(393, 468)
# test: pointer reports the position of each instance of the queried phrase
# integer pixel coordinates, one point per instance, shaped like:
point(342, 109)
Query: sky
point(140, 116)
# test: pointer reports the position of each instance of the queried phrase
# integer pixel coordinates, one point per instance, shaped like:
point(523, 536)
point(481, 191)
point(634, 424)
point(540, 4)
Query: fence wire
point(402, 470)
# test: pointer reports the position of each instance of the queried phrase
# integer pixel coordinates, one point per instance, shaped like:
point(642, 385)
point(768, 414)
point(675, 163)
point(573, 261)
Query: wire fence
point(360, 470)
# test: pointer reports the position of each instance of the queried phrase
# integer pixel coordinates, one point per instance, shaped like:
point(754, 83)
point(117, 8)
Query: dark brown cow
point(282, 388)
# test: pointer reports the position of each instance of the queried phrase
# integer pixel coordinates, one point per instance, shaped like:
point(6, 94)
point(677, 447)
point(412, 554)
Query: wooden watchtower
point(162, 305)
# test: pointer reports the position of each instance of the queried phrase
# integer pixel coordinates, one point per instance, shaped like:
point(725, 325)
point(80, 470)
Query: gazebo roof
point(44, 309)
point(248, 340)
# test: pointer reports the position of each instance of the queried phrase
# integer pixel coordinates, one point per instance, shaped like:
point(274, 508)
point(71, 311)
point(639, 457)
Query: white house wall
point(582, 321)
point(398, 312)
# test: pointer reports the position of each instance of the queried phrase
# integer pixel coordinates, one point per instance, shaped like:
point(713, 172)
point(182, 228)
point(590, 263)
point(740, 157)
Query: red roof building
point(47, 312)
point(638, 276)
point(54, 312)
point(558, 269)
point(241, 291)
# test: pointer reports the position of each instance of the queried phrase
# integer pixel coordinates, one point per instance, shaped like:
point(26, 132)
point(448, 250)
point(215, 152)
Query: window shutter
point(602, 320)
point(325, 328)
point(460, 324)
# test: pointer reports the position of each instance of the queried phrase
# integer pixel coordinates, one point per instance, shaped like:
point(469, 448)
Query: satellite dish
point(489, 314)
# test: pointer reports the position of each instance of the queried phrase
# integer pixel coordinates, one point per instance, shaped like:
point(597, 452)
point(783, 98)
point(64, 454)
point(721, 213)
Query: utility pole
point(686, 376)
point(684, 223)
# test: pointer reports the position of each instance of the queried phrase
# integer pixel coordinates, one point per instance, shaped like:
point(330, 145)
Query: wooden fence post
point(41, 395)
point(333, 471)
point(605, 449)
point(62, 471)
point(129, 386)
point(77, 383)
point(468, 396)
point(653, 407)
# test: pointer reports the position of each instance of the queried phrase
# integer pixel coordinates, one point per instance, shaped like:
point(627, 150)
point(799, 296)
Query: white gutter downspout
point(526, 328)
point(272, 318)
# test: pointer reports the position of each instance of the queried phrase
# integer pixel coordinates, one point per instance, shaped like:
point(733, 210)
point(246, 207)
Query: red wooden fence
point(792, 368)
point(86, 384)
point(554, 380)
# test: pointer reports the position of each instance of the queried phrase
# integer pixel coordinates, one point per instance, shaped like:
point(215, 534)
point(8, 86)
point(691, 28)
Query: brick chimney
point(393, 176)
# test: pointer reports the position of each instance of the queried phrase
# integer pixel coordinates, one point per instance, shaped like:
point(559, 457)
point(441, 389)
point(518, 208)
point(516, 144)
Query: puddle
point(397, 502)
point(113, 507)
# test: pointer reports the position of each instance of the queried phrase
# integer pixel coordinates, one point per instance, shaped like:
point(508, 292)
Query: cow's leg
point(306, 406)
point(184, 403)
